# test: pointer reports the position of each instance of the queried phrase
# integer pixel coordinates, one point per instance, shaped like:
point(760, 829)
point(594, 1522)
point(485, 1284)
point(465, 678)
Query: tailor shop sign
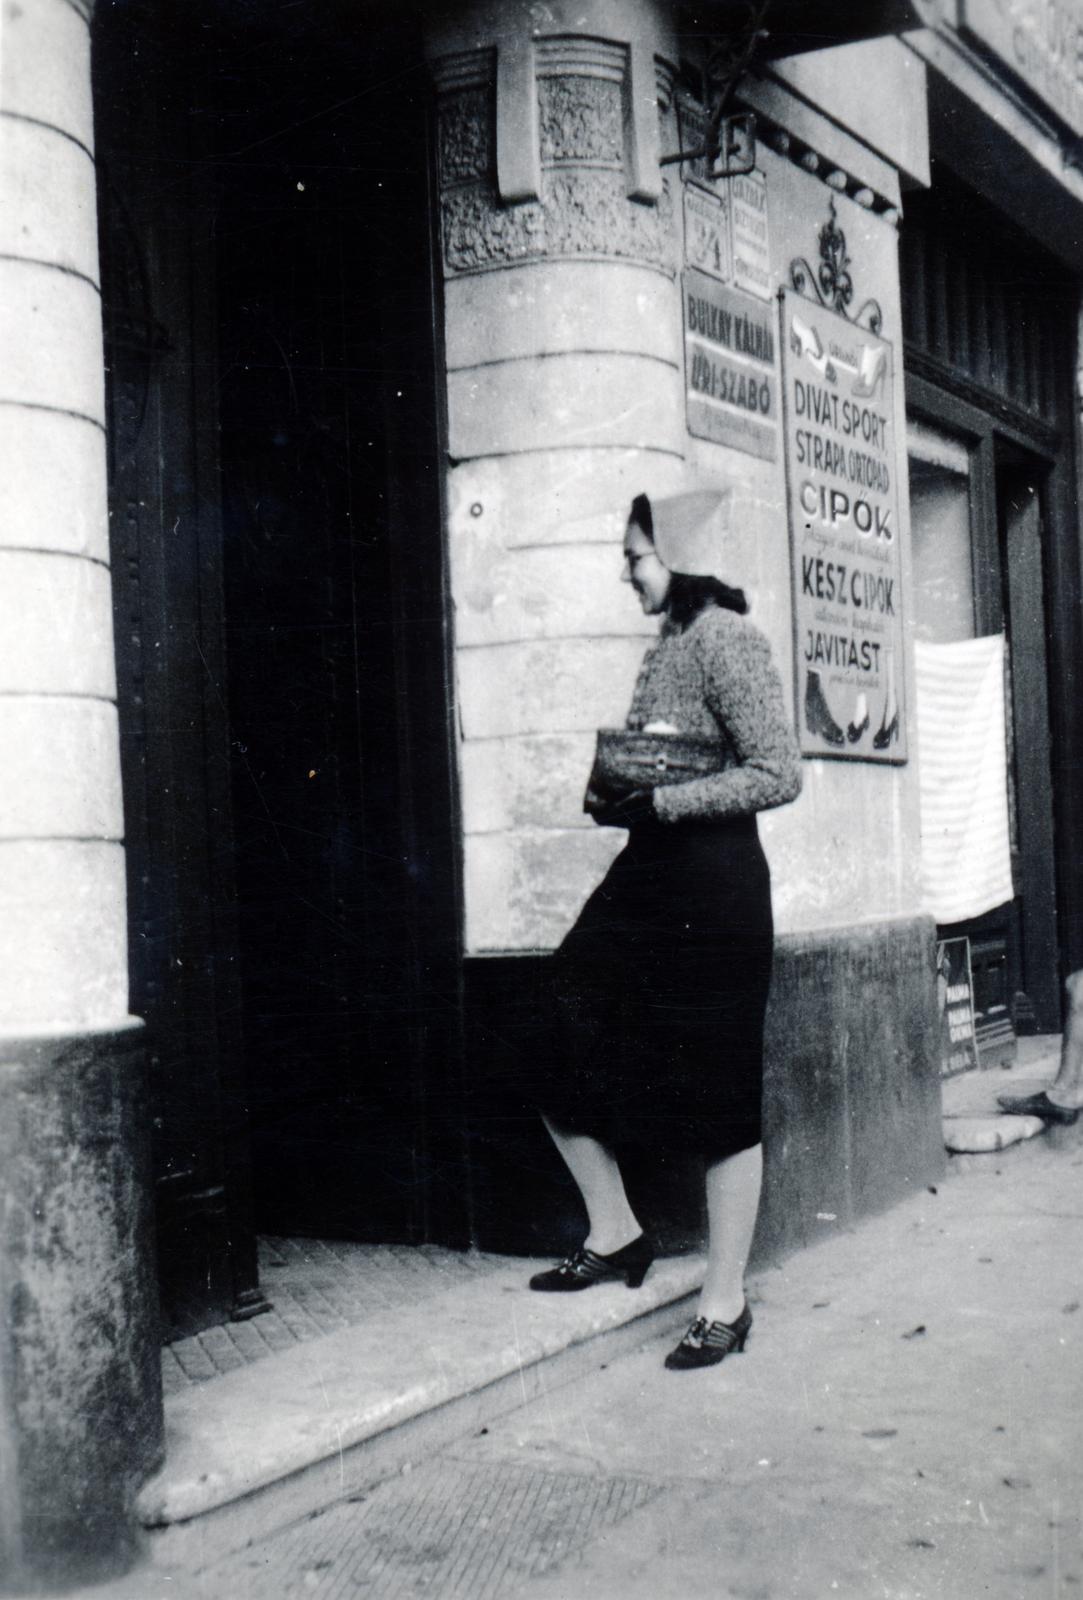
point(840, 446)
point(1041, 41)
point(731, 366)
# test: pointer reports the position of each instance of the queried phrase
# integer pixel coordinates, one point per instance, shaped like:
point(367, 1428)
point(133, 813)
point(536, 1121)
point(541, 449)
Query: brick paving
point(315, 1287)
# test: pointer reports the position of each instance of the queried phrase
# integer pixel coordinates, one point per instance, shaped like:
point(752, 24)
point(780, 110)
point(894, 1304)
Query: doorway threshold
point(427, 1351)
point(316, 1287)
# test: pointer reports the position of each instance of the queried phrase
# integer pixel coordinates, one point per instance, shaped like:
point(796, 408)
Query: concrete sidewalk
point(263, 1430)
point(905, 1424)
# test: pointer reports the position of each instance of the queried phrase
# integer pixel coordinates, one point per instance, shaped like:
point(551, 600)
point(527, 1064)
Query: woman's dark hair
point(642, 515)
point(688, 595)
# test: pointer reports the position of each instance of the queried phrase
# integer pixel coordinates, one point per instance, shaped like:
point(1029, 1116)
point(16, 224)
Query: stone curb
point(268, 1443)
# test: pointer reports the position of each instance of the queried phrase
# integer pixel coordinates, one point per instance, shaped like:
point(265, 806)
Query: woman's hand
point(623, 813)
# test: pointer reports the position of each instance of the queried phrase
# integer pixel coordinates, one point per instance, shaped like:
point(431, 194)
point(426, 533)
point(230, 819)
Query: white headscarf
point(689, 535)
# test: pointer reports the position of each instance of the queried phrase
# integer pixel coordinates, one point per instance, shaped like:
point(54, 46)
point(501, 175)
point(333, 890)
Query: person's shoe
point(707, 1343)
point(1037, 1105)
point(586, 1268)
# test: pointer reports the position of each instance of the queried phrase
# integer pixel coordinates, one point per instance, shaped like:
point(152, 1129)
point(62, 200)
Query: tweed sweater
point(716, 676)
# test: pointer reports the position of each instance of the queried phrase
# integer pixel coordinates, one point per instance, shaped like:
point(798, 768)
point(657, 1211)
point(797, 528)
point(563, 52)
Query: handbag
point(626, 760)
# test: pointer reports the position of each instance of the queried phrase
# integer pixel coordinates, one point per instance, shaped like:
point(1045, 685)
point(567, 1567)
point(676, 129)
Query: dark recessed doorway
point(273, 355)
point(335, 623)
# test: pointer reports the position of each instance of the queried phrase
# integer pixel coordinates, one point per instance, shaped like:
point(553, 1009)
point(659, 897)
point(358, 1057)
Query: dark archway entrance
point(276, 478)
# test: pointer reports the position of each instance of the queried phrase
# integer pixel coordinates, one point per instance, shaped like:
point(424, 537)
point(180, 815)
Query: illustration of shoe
point(818, 718)
point(860, 719)
point(887, 732)
point(872, 369)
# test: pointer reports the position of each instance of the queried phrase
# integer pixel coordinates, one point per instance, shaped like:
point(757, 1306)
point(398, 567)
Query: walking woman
point(661, 985)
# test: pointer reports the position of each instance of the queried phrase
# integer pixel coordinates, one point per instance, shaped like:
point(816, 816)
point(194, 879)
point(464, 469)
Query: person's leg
point(1067, 1087)
point(613, 1223)
point(1064, 1098)
point(733, 1200)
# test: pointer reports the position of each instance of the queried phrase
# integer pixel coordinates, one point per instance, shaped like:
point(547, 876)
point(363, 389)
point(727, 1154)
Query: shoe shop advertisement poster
point(955, 1000)
point(840, 445)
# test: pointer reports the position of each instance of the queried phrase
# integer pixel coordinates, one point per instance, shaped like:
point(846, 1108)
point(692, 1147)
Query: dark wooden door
point(1021, 522)
point(328, 388)
point(157, 261)
point(272, 367)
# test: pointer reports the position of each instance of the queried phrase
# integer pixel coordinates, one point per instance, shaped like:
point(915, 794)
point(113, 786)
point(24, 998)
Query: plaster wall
point(566, 396)
point(873, 90)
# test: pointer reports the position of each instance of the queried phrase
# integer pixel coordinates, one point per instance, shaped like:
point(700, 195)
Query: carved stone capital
point(582, 120)
point(465, 141)
point(582, 212)
point(581, 58)
point(465, 69)
point(581, 84)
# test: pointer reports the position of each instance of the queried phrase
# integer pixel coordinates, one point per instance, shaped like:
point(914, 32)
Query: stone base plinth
point(80, 1374)
point(852, 1118)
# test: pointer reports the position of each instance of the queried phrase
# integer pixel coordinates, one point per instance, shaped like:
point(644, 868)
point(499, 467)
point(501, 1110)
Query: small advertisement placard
point(955, 996)
point(841, 455)
point(731, 367)
point(751, 234)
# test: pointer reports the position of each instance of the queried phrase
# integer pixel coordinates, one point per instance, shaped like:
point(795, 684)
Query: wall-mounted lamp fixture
point(729, 142)
point(730, 153)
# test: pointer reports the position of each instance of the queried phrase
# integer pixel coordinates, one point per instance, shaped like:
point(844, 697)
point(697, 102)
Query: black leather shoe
point(1037, 1105)
point(586, 1268)
point(707, 1343)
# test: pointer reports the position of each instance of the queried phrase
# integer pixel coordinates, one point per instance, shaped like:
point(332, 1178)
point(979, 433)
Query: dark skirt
point(660, 992)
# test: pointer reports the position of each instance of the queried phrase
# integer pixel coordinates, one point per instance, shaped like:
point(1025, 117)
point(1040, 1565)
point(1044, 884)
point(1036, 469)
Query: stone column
point(80, 1391)
point(560, 251)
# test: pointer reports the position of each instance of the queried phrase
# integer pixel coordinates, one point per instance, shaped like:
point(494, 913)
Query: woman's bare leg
point(1067, 1088)
point(613, 1223)
point(733, 1201)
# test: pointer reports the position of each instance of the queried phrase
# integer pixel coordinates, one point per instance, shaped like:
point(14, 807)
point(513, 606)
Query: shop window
point(968, 870)
point(943, 582)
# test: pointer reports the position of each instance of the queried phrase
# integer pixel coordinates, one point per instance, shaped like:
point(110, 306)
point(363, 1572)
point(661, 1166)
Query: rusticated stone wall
point(63, 933)
point(80, 1386)
point(560, 250)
